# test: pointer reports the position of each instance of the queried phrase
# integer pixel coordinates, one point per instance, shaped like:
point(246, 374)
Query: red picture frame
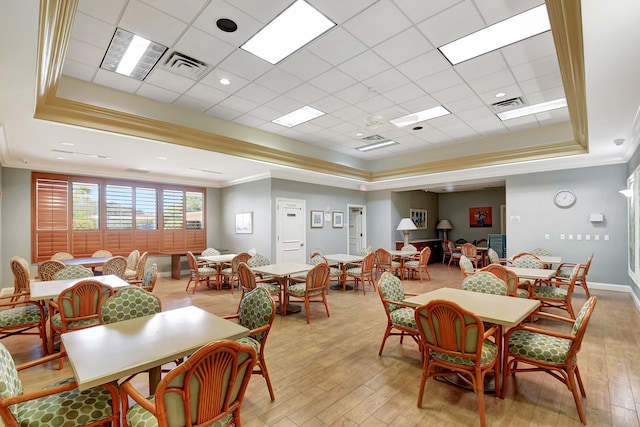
point(480, 217)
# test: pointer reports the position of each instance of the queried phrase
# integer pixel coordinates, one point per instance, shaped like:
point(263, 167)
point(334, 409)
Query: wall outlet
point(570, 236)
point(562, 237)
point(587, 237)
point(546, 237)
point(579, 237)
point(596, 237)
point(606, 237)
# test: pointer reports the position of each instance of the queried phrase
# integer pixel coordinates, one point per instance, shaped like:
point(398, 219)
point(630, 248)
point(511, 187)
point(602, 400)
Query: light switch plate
point(596, 237)
point(606, 237)
point(562, 237)
point(546, 237)
point(570, 236)
point(587, 237)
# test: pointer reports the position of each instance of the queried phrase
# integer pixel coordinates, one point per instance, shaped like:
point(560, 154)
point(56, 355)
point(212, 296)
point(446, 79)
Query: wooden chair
point(230, 273)
point(73, 272)
point(384, 262)
point(486, 283)
point(466, 266)
point(222, 368)
point(362, 273)
point(129, 303)
point(526, 260)
point(549, 351)
point(148, 281)
point(541, 252)
point(21, 277)
point(56, 403)
point(47, 269)
point(421, 264)
point(248, 281)
point(335, 273)
point(556, 293)
point(102, 253)
point(565, 269)
point(455, 342)
point(493, 257)
point(138, 272)
point(454, 252)
point(400, 317)
point(199, 273)
point(115, 265)
point(59, 256)
point(257, 311)
point(471, 251)
point(132, 263)
point(77, 307)
point(311, 289)
point(514, 288)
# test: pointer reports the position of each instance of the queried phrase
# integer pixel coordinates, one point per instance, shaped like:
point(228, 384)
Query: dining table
point(532, 273)
point(403, 256)
point(105, 353)
point(217, 261)
point(50, 289)
point(282, 271)
point(343, 260)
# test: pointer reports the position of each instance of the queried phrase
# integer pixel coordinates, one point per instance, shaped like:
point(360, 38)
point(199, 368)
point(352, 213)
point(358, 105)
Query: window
point(80, 215)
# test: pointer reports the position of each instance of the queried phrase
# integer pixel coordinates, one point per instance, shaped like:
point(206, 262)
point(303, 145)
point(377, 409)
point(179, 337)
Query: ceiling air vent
point(185, 66)
point(508, 104)
point(374, 138)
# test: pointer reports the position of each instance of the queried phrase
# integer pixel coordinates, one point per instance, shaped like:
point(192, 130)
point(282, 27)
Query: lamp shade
point(444, 224)
point(406, 224)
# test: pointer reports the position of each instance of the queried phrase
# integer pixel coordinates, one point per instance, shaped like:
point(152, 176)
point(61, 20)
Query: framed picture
point(338, 219)
point(316, 219)
point(419, 218)
point(480, 217)
point(244, 223)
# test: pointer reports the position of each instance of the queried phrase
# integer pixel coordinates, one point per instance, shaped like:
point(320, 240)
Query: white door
point(357, 237)
point(290, 231)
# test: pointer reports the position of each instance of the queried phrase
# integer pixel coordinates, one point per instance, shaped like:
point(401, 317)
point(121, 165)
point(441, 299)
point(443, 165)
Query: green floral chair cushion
point(355, 271)
point(210, 252)
point(404, 316)
point(391, 289)
point(489, 352)
point(540, 347)
point(20, 316)
point(527, 261)
point(272, 287)
point(57, 322)
point(209, 270)
point(137, 416)
point(484, 282)
point(129, 303)
point(522, 293)
point(551, 292)
point(258, 260)
point(256, 309)
point(466, 265)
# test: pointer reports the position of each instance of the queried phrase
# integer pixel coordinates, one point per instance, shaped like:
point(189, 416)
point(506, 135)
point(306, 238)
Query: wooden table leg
point(175, 266)
point(154, 378)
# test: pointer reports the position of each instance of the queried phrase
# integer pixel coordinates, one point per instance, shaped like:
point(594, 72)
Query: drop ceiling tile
point(419, 10)
point(247, 25)
point(486, 123)
point(404, 93)
point(404, 46)
point(440, 81)
point(546, 95)
point(238, 103)
point(265, 113)
point(386, 80)
point(529, 49)
point(345, 128)
point(451, 24)
point(481, 66)
point(193, 104)
point(284, 104)
point(477, 110)
point(340, 11)
point(116, 81)
point(536, 68)
point(424, 65)
point(304, 65)
point(257, 93)
point(105, 11)
point(213, 79)
point(363, 66)
point(203, 47)
point(245, 65)
point(327, 122)
point(249, 120)
point(306, 93)
point(360, 96)
point(460, 131)
point(512, 91)
point(278, 80)
point(152, 24)
point(271, 127)
point(369, 28)
point(499, 11)
point(495, 82)
point(542, 83)
point(92, 30)
point(419, 104)
point(157, 93)
point(85, 53)
point(184, 10)
point(167, 80)
point(350, 113)
point(333, 81)
point(78, 70)
point(263, 11)
point(336, 46)
point(207, 93)
point(329, 104)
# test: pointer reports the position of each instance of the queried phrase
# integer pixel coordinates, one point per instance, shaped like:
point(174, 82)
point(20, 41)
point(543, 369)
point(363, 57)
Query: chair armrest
point(410, 294)
point(539, 331)
point(232, 316)
point(297, 280)
point(262, 328)
point(15, 297)
point(127, 389)
point(398, 303)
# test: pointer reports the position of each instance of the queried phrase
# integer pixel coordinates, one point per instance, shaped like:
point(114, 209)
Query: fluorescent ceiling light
point(288, 32)
point(420, 116)
point(376, 145)
point(301, 115)
point(131, 55)
point(519, 27)
point(533, 109)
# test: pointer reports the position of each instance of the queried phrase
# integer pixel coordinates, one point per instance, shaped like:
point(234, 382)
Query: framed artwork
point(244, 223)
point(419, 218)
point(338, 219)
point(480, 217)
point(316, 219)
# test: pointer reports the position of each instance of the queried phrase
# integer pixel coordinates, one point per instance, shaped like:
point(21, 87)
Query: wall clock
point(564, 198)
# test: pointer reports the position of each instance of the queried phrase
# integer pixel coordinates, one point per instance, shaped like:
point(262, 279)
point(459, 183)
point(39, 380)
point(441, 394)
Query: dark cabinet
point(434, 244)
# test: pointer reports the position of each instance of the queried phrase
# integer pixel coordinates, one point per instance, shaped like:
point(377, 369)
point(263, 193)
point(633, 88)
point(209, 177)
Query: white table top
point(344, 257)
point(217, 258)
point(404, 253)
point(503, 310)
point(50, 289)
point(545, 259)
point(532, 273)
point(108, 352)
point(282, 269)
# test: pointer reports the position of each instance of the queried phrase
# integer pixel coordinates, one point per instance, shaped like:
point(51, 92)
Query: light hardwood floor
point(328, 373)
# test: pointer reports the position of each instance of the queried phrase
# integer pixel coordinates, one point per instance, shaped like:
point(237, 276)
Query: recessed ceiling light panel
point(292, 29)
point(376, 145)
point(420, 116)
point(533, 109)
point(301, 115)
point(131, 55)
point(519, 27)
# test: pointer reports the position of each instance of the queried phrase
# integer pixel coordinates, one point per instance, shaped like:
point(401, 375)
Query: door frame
point(364, 223)
point(283, 200)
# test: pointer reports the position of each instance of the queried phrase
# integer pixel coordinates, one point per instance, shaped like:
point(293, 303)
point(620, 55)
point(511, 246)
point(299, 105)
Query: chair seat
point(130, 274)
point(489, 353)
point(552, 292)
point(227, 271)
point(57, 322)
point(73, 407)
point(206, 271)
point(20, 316)
point(405, 317)
point(543, 348)
point(335, 271)
point(522, 293)
point(273, 288)
point(300, 288)
point(355, 271)
point(413, 264)
point(250, 341)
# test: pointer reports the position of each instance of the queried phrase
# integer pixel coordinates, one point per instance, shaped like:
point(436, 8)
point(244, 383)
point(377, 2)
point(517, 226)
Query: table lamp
point(444, 225)
point(405, 226)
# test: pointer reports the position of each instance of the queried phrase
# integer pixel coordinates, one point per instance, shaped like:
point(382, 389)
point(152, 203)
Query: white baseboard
point(617, 288)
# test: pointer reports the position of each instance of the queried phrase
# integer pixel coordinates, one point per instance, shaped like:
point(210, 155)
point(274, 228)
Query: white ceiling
point(388, 46)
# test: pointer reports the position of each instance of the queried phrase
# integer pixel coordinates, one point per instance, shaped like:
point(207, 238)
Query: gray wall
point(455, 208)
point(16, 220)
point(403, 202)
point(380, 217)
point(531, 214)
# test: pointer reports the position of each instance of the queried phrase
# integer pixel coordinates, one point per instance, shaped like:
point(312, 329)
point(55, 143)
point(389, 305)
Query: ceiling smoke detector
point(185, 66)
point(508, 104)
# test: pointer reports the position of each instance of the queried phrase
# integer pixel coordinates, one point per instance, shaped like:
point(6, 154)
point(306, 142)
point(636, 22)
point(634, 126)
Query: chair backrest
point(317, 259)
point(210, 252)
point(318, 277)
point(364, 251)
point(257, 309)
point(493, 256)
point(10, 384)
point(132, 259)
point(258, 260)
point(582, 319)
point(102, 253)
point(481, 243)
point(58, 256)
point(408, 248)
point(526, 260)
point(369, 262)
point(587, 265)
point(390, 289)
point(425, 254)
point(192, 261)
point(485, 283)
point(49, 268)
point(241, 257)
point(208, 387)
point(466, 266)
point(451, 246)
point(383, 256)
point(447, 328)
point(21, 275)
point(129, 303)
point(80, 304)
point(469, 250)
point(73, 272)
point(141, 265)
point(246, 277)
point(115, 265)
point(506, 275)
point(315, 252)
point(150, 278)
point(541, 252)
